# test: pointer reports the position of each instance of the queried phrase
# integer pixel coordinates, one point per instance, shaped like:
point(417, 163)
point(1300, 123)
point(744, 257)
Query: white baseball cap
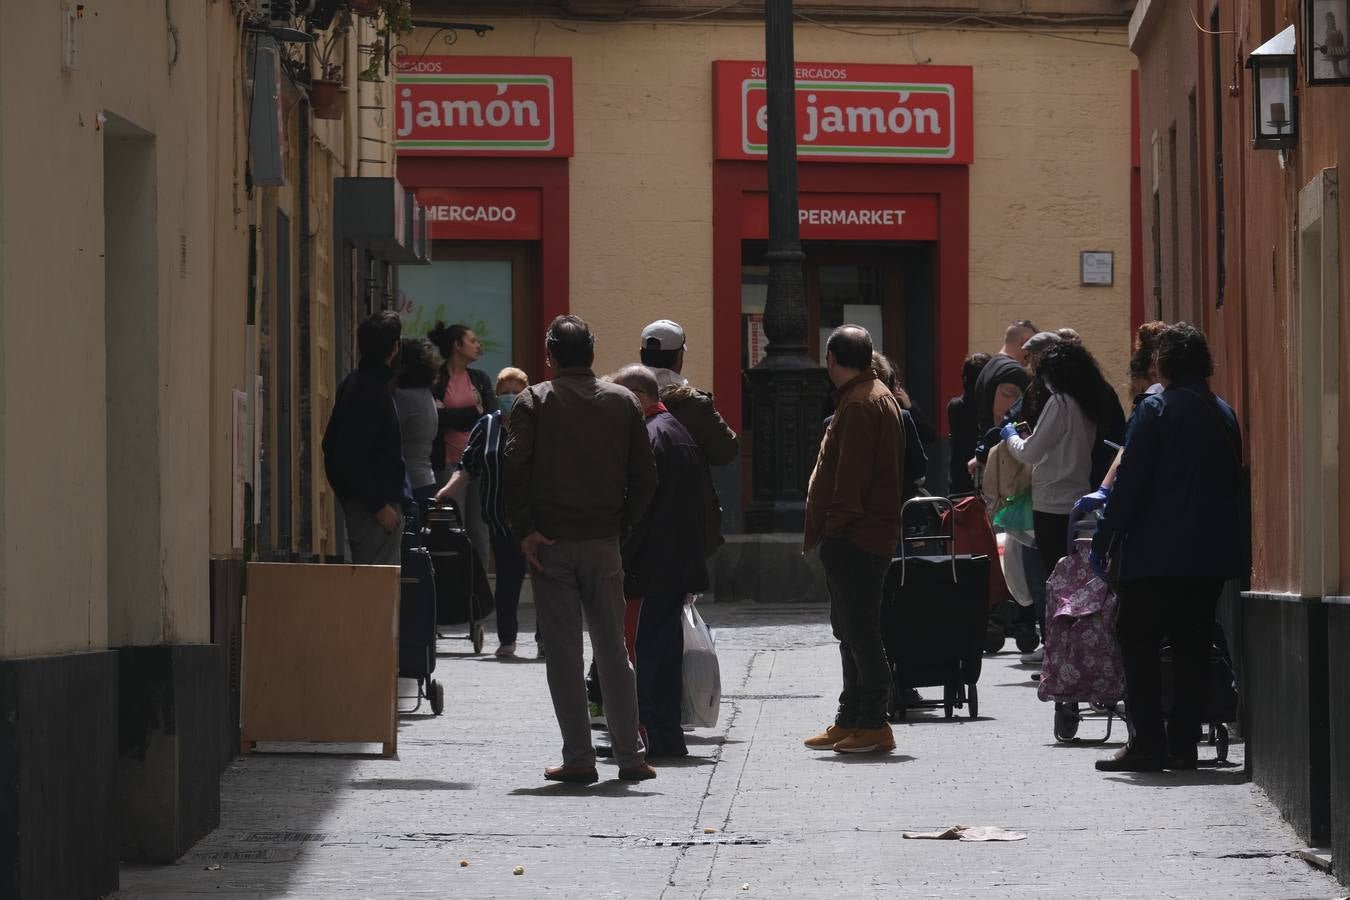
point(667, 334)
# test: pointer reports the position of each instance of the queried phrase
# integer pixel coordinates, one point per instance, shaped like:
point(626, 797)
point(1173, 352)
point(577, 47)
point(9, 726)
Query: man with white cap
point(663, 348)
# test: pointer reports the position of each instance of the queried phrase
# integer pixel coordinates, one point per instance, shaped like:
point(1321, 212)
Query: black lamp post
point(788, 389)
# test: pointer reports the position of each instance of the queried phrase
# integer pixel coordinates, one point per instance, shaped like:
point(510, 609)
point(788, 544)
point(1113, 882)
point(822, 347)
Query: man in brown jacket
point(853, 513)
point(579, 472)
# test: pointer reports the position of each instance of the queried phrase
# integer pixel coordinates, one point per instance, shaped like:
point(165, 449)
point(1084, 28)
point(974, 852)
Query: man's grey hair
point(639, 380)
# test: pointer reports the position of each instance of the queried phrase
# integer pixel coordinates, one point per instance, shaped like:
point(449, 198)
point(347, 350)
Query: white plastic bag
point(702, 676)
point(1014, 571)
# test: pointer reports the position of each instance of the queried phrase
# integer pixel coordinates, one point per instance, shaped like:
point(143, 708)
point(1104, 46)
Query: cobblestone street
point(750, 813)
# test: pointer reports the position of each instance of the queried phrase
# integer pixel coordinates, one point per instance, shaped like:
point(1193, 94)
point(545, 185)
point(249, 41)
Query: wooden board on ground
point(320, 654)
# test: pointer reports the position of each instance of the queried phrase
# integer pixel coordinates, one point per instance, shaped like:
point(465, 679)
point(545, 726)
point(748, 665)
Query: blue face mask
point(506, 401)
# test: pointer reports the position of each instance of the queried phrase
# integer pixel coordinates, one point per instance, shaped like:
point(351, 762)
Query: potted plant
point(327, 93)
point(365, 7)
point(397, 22)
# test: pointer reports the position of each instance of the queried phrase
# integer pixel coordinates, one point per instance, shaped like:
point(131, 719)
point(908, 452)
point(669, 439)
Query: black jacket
point(664, 552)
point(964, 436)
point(461, 418)
point(362, 446)
point(1178, 507)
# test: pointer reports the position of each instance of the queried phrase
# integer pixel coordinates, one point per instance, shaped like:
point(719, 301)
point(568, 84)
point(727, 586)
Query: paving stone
point(468, 786)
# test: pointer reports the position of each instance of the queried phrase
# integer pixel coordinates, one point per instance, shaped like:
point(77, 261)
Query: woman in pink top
point(463, 394)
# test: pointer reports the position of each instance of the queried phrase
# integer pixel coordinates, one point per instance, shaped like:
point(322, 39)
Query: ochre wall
point(1168, 79)
point(1255, 335)
point(51, 284)
point(1325, 113)
point(1050, 178)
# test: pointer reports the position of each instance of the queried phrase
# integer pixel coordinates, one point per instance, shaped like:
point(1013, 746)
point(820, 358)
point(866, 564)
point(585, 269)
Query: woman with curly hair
point(1059, 449)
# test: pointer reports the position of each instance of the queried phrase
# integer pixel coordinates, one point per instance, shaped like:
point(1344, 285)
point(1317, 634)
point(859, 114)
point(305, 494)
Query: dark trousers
point(660, 676)
point(853, 578)
point(510, 577)
point(1052, 538)
point(1180, 610)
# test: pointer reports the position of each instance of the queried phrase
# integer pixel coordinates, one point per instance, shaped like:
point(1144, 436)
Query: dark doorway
point(889, 288)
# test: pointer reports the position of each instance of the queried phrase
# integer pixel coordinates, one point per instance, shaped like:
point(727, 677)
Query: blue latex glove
point(1008, 431)
point(1098, 563)
point(1090, 502)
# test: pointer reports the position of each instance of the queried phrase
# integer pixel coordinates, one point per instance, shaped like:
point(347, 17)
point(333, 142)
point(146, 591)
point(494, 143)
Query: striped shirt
point(482, 459)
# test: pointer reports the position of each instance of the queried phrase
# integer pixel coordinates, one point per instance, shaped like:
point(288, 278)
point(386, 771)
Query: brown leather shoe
point(572, 774)
point(637, 773)
point(828, 738)
point(867, 740)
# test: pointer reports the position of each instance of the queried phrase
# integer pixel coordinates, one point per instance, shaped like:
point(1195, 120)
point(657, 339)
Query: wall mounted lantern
point(1275, 105)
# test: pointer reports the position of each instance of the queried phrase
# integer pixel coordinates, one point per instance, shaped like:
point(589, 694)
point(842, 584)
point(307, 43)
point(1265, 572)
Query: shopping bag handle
point(1075, 521)
point(941, 504)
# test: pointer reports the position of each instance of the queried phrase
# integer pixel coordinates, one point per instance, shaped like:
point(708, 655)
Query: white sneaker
point(506, 650)
point(1035, 657)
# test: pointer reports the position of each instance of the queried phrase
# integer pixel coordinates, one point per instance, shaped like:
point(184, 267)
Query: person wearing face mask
point(481, 463)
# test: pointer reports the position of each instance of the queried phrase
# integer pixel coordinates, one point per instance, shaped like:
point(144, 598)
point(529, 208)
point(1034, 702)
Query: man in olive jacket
point(663, 349)
point(579, 473)
point(853, 514)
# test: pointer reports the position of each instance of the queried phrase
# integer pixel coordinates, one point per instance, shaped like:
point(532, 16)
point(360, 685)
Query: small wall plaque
point(1098, 268)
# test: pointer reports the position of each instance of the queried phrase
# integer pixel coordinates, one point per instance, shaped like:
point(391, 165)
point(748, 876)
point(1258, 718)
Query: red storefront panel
point(850, 112)
point(482, 214)
point(484, 106)
point(850, 217)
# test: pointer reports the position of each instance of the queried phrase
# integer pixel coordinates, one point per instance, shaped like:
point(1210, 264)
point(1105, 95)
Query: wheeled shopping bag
point(933, 621)
point(1082, 663)
point(463, 595)
point(417, 619)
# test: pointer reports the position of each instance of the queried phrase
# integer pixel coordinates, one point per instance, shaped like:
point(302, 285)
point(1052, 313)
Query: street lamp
point(788, 389)
point(1274, 103)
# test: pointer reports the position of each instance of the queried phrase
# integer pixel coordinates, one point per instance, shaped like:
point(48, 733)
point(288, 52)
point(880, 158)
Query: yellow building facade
point(1048, 178)
point(157, 297)
point(659, 215)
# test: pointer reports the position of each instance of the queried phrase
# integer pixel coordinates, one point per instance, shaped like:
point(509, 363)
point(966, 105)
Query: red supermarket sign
point(848, 112)
point(483, 106)
point(487, 214)
point(850, 217)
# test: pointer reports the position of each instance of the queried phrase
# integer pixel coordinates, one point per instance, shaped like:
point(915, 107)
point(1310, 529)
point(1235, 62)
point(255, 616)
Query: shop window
point(486, 287)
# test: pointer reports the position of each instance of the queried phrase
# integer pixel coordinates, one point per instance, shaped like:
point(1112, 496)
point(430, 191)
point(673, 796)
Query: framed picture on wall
point(1328, 41)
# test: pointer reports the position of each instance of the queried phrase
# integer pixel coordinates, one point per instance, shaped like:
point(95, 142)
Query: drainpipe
point(304, 382)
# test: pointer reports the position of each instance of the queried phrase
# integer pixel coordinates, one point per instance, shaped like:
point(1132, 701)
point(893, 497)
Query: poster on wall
point(1328, 51)
point(476, 293)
